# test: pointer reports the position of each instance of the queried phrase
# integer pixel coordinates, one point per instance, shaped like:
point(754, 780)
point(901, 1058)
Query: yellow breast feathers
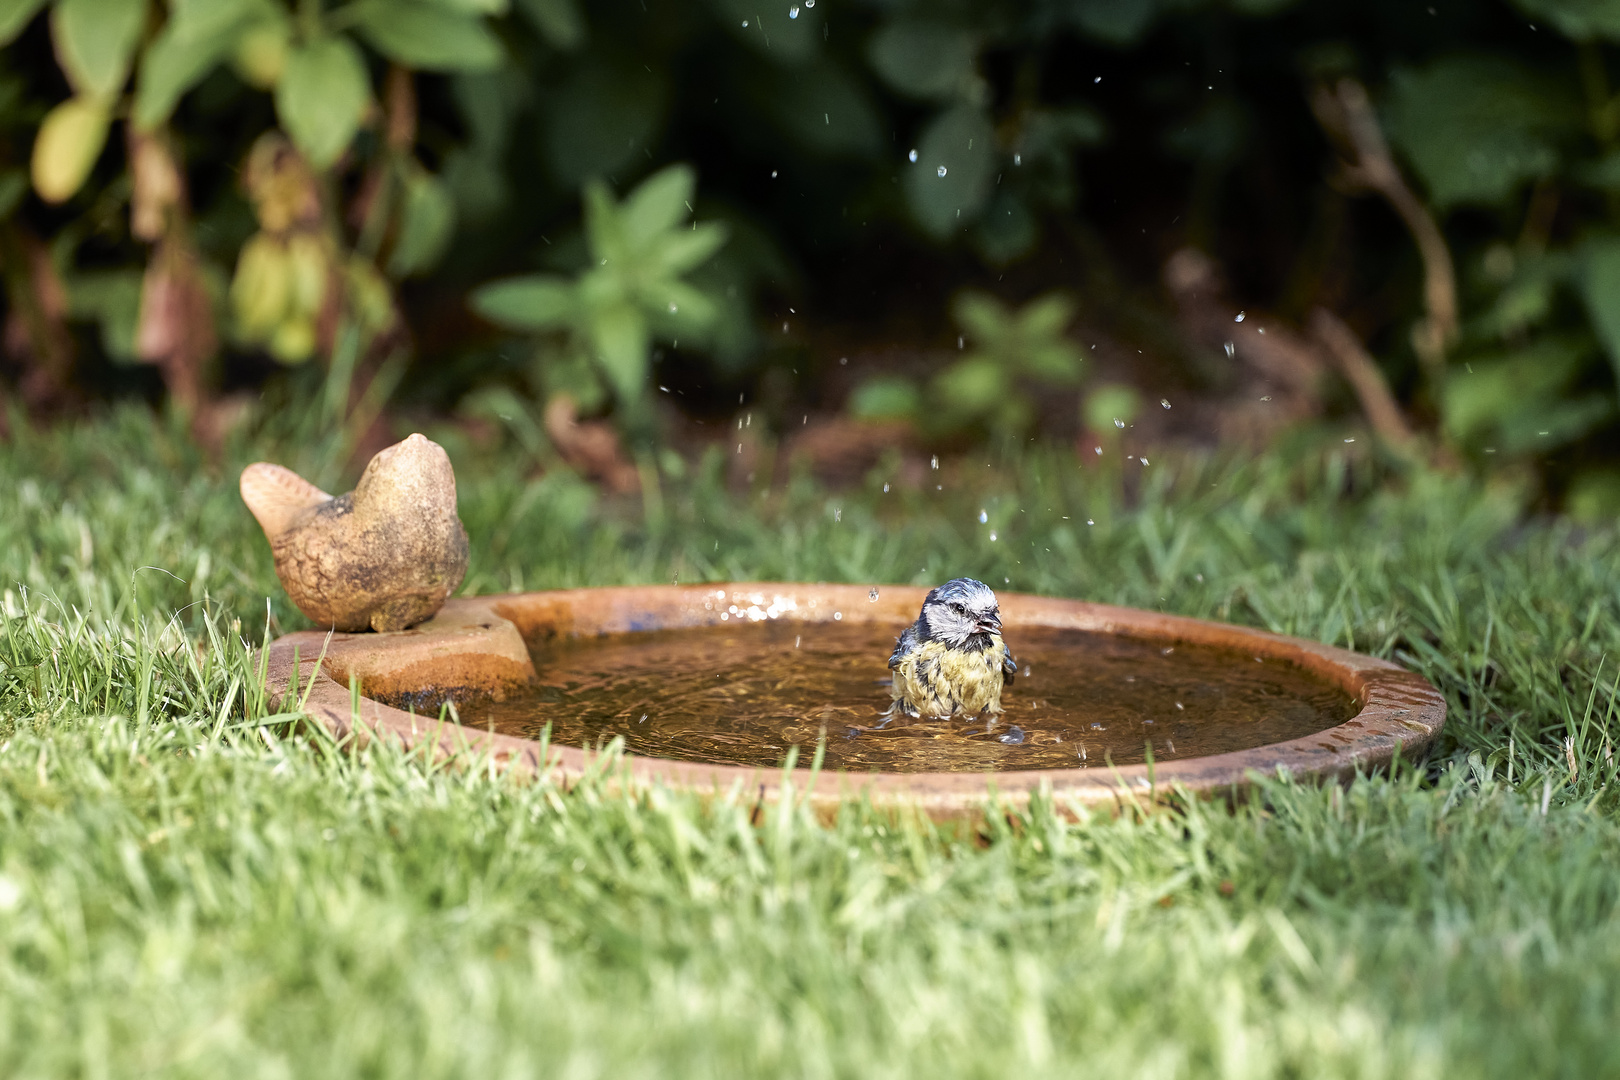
point(935, 680)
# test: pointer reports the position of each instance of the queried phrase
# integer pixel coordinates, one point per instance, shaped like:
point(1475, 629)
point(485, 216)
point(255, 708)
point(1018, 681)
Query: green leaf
point(785, 33)
point(1046, 317)
point(427, 36)
point(984, 317)
point(820, 106)
point(15, 15)
point(1008, 230)
point(886, 399)
point(619, 334)
point(974, 386)
point(94, 42)
point(1598, 274)
point(686, 249)
point(198, 35)
point(494, 8)
point(322, 97)
point(600, 120)
point(657, 204)
point(1114, 22)
point(924, 58)
point(13, 186)
point(1477, 128)
point(1520, 403)
point(681, 309)
point(1108, 403)
point(532, 302)
point(1582, 20)
point(949, 184)
point(558, 21)
point(69, 141)
point(111, 298)
point(427, 221)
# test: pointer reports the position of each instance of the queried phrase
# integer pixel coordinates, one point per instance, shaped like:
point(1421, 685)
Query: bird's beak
point(988, 624)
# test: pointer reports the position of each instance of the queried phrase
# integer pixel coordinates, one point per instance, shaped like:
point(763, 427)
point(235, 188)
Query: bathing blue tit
point(952, 661)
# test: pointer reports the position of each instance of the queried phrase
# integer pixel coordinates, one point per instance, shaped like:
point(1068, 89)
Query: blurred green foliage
point(1014, 353)
point(202, 184)
point(602, 323)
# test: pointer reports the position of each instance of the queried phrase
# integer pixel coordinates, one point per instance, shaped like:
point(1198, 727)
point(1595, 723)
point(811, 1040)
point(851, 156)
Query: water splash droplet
point(912, 155)
point(1018, 159)
point(809, 4)
point(885, 489)
point(983, 517)
point(992, 536)
point(838, 616)
point(933, 462)
point(1231, 350)
point(1165, 402)
point(745, 24)
point(873, 595)
point(1090, 522)
point(1118, 422)
point(942, 172)
point(1241, 316)
point(793, 12)
point(672, 308)
point(838, 514)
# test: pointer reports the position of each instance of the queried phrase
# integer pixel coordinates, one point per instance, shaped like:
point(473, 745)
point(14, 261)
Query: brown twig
point(36, 333)
point(1345, 111)
point(175, 329)
point(1363, 375)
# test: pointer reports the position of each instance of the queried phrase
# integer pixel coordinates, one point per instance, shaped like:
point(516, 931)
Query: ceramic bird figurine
point(382, 557)
point(952, 661)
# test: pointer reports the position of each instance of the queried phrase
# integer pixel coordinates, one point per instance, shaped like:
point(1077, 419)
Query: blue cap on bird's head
point(959, 611)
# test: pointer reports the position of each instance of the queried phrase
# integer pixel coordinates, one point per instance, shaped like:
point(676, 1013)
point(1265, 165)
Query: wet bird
point(952, 661)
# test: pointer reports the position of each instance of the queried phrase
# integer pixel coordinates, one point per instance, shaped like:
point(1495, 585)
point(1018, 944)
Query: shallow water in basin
point(742, 695)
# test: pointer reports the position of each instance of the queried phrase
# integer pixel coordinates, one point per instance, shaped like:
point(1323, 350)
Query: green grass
point(187, 892)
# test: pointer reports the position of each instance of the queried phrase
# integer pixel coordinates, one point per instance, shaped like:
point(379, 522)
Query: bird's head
point(962, 613)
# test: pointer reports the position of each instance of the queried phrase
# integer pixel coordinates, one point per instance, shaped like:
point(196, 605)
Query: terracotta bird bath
point(1261, 702)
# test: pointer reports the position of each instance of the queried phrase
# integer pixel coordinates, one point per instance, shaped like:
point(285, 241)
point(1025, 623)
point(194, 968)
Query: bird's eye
point(960, 609)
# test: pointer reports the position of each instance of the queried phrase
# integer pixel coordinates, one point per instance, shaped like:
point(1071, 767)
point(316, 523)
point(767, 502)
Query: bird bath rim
point(477, 646)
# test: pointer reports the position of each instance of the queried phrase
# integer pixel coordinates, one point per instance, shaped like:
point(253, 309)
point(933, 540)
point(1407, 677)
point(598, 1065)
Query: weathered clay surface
point(1400, 712)
point(382, 557)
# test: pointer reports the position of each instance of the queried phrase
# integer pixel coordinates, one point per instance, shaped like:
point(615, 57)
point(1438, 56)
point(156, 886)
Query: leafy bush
point(990, 385)
point(601, 324)
point(216, 181)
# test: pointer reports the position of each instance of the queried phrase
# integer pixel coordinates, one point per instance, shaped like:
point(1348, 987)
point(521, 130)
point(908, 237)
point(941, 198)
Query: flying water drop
point(873, 595)
point(992, 536)
point(933, 462)
point(793, 12)
point(1231, 350)
point(912, 155)
point(983, 517)
point(1018, 159)
point(942, 172)
point(1241, 316)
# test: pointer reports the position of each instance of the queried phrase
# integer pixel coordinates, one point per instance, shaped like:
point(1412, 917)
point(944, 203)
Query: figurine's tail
point(277, 496)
